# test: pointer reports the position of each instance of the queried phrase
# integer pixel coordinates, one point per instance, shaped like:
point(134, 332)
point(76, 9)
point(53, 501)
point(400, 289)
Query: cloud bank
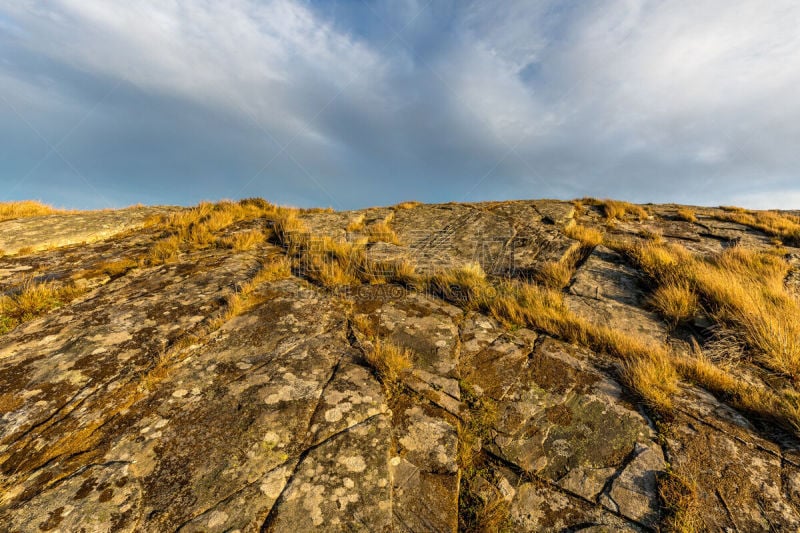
point(331, 103)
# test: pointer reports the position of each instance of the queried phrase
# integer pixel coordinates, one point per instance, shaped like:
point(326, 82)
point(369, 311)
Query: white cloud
point(650, 100)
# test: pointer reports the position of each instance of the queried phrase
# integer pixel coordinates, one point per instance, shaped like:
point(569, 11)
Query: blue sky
point(350, 104)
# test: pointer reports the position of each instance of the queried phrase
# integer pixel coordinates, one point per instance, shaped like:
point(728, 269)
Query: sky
point(348, 104)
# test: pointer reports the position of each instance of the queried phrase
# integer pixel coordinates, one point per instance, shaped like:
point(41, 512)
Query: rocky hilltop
point(509, 366)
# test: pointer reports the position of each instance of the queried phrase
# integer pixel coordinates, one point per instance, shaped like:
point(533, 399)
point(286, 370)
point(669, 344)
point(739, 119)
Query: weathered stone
point(143, 406)
point(52, 231)
point(537, 507)
point(554, 416)
point(607, 291)
point(342, 484)
point(743, 483)
point(632, 492)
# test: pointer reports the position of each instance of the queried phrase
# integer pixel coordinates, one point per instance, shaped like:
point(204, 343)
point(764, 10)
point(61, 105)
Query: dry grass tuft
point(558, 274)
point(654, 378)
point(676, 301)
point(654, 235)
point(117, 268)
point(777, 407)
point(580, 207)
point(684, 213)
point(588, 237)
point(356, 224)
point(243, 240)
point(516, 303)
point(681, 502)
point(113, 269)
point(466, 285)
point(24, 209)
point(364, 325)
point(555, 274)
point(618, 210)
point(289, 230)
point(164, 251)
point(407, 205)
point(32, 299)
point(733, 209)
point(381, 231)
point(389, 360)
point(274, 269)
point(199, 227)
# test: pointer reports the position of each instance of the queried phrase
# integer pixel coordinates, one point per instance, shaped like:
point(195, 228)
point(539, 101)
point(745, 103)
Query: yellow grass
point(654, 235)
point(274, 269)
point(680, 501)
point(588, 237)
point(164, 251)
point(687, 214)
point(364, 325)
point(24, 209)
point(32, 299)
point(389, 359)
point(743, 289)
point(676, 301)
point(289, 230)
point(407, 205)
point(778, 407)
point(356, 224)
point(654, 377)
point(243, 240)
point(381, 231)
point(618, 210)
point(466, 284)
point(773, 223)
point(555, 274)
point(542, 308)
point(113, 269)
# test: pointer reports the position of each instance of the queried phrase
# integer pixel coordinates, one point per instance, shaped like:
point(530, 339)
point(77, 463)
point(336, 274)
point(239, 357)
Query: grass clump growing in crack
point(465, 285)
point(517, 303)
point(199, 227)
point(390, 360)
point(617, 210)
point(588, 237)
point(680, 502)
point(334, 262)
point(243, 240)
point(555, 274)
point(655, 378)
point(686, 214)
point(32, 299)
point(780, 407)
point(558, 274)
point(165, 250)
point(356, 224)
point(381, 231)
point(676, 301)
